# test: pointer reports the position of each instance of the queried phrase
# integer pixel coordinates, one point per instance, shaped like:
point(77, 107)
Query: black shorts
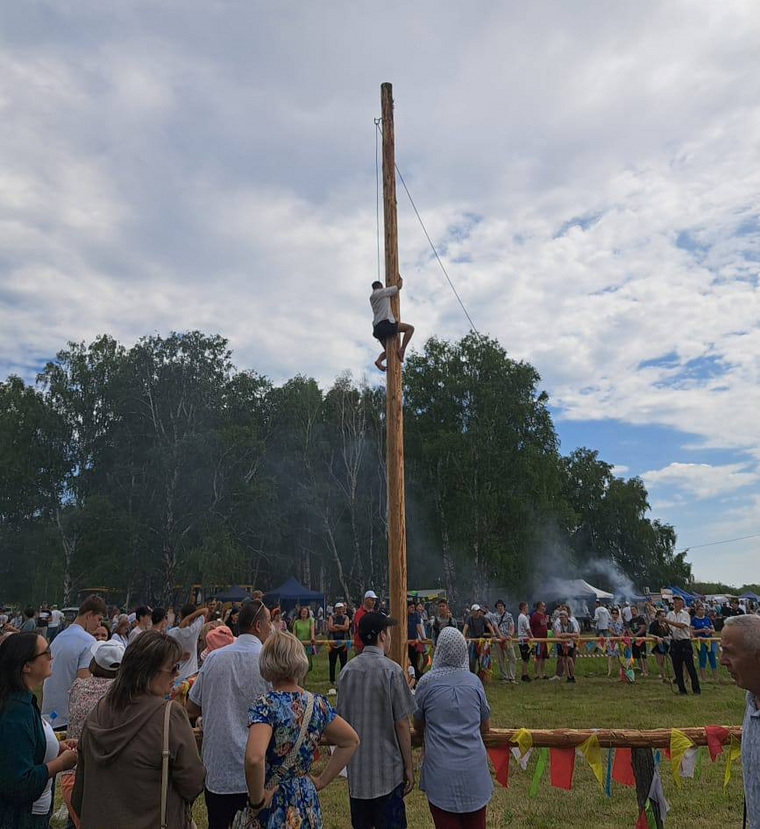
point(525, 653)
point(384, 330)
point(570, 653)
point(639, 650)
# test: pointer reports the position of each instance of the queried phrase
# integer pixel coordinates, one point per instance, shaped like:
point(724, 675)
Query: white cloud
point(701, 480)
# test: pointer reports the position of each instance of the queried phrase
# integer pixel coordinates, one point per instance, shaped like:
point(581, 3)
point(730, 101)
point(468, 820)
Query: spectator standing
point(159, 620)
point(442, 619)
point(303, 629)
point(231, 620)
point(55, 624)
point(681, 652)
point(660, 629)
point(616, 628)
point(477, 627)
point(504, 624)
point(740, 655)
point(453, 714)
point(285, 729)
point(539, 628)
point(187, 633)
point(373, 696)
point(601, 619)
point(638, 630)
point(85, 695)
point(72, 654)
point(626, 613)
point(368, 606)
point(338, 624)
point(415, 633)
point(702, 628)
point(43, 620)
point(228, 681)
point(142, 622)
point(121, 630)
point(118, 780)
point(566, 629)
point(29, 625)
point(31, 755)
point(523, 639)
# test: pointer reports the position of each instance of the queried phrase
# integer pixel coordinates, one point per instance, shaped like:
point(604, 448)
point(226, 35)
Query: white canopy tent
point(579, 587)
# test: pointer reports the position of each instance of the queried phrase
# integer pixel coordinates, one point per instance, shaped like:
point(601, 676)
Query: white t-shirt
point(135, 632)
point(56, 617)
point(681, 616)
point(41, 806)
point(626, 613)
point(380, 300)
point(188, 638)
point(71, 653)
point(602, 618)
point(523, 628)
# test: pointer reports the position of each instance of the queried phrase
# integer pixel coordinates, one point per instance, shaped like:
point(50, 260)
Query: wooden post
point(394, 413)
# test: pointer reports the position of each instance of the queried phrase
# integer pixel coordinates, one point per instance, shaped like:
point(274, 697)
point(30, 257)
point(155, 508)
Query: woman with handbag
point(285, 728)
point(138, 764)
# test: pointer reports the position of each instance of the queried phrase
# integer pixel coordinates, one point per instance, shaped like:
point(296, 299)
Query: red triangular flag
point(622, 767)
point(667, 752)
point(716, 736)
point(500, 759)
point(642, 822)
point(561, 765)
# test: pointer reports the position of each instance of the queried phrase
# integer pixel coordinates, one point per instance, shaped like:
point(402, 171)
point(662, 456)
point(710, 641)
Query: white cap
point(339, 604)
point(108, 654)
point(370, 594)
point(132, 618)
point(475, 607)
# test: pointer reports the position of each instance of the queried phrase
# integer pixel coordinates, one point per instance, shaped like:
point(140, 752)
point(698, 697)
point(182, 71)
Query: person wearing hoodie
point(120, 750)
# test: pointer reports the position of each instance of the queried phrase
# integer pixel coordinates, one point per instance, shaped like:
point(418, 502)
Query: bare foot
point(380, 365)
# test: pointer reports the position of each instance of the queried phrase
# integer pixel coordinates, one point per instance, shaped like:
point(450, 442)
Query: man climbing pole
point(384, 325)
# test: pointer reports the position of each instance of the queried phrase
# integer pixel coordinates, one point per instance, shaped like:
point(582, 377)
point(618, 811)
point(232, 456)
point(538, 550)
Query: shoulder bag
point(245, 818)
point(190, 823)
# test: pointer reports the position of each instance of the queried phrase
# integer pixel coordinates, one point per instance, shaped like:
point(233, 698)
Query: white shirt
point(117, 637)
point(188, 638)
point(380, 300)
point(626, 614)
point(523, 628)
point(681, 616)
point(41, 806)
point(226, 686)
point(71, 653)
point(602, 618)
point(135, 632)
point(56, 617)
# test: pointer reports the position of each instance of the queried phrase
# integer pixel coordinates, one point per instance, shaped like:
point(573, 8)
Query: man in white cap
point(370, 597)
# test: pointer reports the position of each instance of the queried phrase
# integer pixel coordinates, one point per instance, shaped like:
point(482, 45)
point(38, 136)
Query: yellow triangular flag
point(734, 751)
point(524, 740)
point(592, 751)
point(679, 744)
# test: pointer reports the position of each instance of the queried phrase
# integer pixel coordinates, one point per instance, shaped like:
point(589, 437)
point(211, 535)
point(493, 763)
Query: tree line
point(151, 468)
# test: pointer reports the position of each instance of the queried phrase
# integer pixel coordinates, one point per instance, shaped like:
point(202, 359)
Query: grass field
point(593, 702)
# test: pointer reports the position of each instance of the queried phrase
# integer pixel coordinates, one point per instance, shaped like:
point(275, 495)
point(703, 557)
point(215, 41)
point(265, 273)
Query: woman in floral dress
point(281, 792)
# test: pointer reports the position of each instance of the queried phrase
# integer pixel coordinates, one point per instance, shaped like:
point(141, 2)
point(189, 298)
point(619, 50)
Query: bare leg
point(381, 361)
point(407, 330)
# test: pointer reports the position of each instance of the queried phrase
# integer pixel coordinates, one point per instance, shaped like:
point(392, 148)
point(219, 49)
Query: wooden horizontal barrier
point(554, 640)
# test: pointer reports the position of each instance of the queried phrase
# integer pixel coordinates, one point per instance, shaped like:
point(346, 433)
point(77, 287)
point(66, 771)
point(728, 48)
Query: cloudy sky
point(588, 171)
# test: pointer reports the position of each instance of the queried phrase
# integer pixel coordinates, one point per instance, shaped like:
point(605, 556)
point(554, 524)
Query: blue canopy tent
point(233, 593)
point(291, 593)
point(750, 595)
point(687, 597)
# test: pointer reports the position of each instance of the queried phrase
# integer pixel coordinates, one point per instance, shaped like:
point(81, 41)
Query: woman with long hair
point(453, 714)
point(119, 774)
point(30, 754)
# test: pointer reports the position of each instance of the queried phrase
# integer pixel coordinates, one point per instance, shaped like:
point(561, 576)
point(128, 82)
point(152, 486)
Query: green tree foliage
point(152, 468)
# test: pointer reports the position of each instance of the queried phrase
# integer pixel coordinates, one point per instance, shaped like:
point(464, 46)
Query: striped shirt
point(373, 696)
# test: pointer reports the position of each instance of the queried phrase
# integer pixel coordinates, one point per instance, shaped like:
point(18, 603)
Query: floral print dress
point(295, 804)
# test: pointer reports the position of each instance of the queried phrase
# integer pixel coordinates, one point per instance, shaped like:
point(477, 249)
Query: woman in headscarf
point(453, 714)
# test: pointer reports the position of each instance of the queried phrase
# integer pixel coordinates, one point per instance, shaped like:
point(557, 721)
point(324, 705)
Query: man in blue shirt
point(415, 633)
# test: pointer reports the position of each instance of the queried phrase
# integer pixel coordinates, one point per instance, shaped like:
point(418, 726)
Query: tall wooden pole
point(394, 413)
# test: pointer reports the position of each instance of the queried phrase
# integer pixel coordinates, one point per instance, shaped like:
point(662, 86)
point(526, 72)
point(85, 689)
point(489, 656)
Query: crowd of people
point(124, 698)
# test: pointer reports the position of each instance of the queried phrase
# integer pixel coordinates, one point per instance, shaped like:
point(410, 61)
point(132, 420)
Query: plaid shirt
point(373, 696)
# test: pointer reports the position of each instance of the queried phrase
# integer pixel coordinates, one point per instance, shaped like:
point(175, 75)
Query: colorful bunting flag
point(524, 739)
point(622, 767)
point(592, 751)
point(608, 782)
point(734, 751)
point(716, 736)
point(543, 757)
point(561, 766)
point(499, 756)
point(682, 755)
point(522, 761)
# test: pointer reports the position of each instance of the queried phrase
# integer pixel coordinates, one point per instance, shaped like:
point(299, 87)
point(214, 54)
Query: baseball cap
point(475, 607)
point(372, 624)
point(108, 654)
point(339, 604)
point(370, 594)
point(132, 618)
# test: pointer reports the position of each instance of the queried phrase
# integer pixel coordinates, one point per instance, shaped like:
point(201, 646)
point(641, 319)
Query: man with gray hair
point(740, 654)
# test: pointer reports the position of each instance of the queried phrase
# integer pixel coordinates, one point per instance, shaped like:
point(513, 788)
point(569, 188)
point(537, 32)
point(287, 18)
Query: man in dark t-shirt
point(476, 626)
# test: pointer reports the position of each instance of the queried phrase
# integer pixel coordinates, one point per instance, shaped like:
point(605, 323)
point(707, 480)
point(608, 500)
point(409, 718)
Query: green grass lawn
point(593, 702)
